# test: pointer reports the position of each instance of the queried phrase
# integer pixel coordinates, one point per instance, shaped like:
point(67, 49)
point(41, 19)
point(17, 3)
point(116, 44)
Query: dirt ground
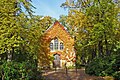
point(72, 75)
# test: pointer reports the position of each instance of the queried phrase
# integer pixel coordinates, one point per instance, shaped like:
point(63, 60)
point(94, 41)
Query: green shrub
point(1, 62)
point(0, 72)
point(95, 67)
point(106, 66)
point(116, 75)
point(20, 71)
point(71, 67)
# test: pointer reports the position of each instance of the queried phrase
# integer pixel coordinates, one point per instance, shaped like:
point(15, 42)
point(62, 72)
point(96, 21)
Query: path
point(72, 75)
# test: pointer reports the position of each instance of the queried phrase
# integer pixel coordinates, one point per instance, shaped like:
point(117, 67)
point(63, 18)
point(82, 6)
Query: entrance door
point(56, 62)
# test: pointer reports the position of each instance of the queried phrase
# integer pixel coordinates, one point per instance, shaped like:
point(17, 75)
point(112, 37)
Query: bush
point(107, 66)
point(0, 72)
point(95, 67)
point(20, 71)
point(116, 75)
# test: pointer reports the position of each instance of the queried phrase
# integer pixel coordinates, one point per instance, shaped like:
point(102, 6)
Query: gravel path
point(72, 75)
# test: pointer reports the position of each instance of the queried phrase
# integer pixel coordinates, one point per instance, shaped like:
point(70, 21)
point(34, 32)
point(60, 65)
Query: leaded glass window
point(51, 46)
point(56, 44)
point(61, 46)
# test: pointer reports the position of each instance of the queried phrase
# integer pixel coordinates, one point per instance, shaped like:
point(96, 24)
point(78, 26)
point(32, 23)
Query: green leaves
point(18, 71)
point(96, 27)
point(20, 33)
point(104, 66)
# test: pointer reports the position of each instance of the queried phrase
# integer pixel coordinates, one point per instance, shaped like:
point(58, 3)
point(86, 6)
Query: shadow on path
point(72, 75)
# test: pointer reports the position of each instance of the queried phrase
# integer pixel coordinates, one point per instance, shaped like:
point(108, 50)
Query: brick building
point(59, 44)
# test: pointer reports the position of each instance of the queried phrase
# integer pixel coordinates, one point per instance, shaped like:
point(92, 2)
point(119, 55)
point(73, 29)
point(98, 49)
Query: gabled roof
point(55, 23)
point(58, 30)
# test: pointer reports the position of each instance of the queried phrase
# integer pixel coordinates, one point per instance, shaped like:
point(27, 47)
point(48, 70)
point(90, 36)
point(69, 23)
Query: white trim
point(59, 41)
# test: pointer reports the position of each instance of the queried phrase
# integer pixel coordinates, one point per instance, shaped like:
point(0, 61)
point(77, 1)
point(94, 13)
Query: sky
point(49, 8)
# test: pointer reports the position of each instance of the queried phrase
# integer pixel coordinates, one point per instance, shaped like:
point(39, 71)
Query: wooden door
point(56, 62)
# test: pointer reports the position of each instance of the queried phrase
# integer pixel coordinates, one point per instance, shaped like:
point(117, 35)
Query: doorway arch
point(56, 61)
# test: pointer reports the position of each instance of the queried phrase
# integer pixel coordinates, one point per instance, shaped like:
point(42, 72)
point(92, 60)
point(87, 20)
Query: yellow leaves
point(57, 31)
point(45, 22)
point(78, 22)
point(76, 19)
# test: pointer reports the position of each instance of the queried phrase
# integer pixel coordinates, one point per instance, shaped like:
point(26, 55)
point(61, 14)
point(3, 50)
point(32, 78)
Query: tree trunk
point(66, 69)
point(100, 49)
point(10, 54)
point(106, 44)
point(94, 52)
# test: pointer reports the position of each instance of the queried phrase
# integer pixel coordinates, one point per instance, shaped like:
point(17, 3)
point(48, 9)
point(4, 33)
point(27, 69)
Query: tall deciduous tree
point(100, 26)
point(10, 27)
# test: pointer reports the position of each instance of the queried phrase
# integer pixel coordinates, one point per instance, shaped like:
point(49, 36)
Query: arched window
point(56, 44)
point(61, 46)
point(51, 46)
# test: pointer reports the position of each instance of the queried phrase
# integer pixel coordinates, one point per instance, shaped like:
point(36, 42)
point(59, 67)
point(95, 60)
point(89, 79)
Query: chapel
point(59, 45)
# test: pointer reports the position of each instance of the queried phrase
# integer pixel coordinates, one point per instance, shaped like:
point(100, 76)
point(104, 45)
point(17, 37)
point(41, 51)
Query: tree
point(105, 23)
point(12, 25)
point(17, 38)
point(97, 37)
point(62, 20)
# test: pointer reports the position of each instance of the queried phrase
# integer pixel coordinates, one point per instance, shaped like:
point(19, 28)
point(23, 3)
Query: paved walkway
point(72, 75)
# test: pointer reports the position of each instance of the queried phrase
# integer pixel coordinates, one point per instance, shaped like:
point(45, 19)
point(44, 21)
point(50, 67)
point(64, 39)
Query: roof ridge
point(60, 25)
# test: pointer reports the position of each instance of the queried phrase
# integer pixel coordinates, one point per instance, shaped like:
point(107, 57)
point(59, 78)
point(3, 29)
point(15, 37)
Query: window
point(61, 46)
point(56, 44)
point(51, 46)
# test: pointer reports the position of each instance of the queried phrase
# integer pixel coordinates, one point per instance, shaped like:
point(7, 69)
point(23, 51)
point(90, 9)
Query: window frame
point(56, 42)
point(61, 46)
point(51, 46)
